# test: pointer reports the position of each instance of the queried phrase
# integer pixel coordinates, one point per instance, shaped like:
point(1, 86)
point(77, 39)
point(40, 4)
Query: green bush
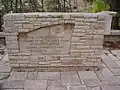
point(99, 5)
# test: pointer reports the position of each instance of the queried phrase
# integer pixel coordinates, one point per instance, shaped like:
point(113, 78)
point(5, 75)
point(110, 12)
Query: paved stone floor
point(108, 78)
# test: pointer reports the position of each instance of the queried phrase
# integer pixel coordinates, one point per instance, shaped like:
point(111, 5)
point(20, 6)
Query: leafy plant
point(99, 5)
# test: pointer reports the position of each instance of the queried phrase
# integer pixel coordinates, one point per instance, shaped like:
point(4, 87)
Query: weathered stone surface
point(57, 88)
point(32, 75)
point(13, 84)
point(49, 75)
point(87, 75)
point(82, 87)
point(92, 82)
point(18, 76)
point(35, 85)
point(116, 87)
point(70, 78)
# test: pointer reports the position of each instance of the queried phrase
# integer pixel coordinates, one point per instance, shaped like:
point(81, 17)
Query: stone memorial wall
point(54, 41)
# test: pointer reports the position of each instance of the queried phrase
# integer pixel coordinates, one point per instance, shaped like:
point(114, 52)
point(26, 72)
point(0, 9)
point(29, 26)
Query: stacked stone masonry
point(54, 41)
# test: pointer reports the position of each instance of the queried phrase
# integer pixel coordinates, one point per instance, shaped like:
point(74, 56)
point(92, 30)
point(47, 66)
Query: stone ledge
point(22, 16)
point(113, 32)
point(58, 69)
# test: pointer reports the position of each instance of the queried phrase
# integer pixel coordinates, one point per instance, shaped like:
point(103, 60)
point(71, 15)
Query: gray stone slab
point(106, 72)
point(35, 85)
point(54, 82)
point(18, 76)
point(118, 63)
point(116, 71)
point(107, 75)
point(82, 87)
point(70, 78)
point(32, 75)
point(114, 87)
point(116, 52)
point(57, 88)
point(13, 84)
point(87, 75)
point(94, 88)
point(109, 62)
point(92, 82)
point(48, 75)
point(113, 57)
point(53, 78)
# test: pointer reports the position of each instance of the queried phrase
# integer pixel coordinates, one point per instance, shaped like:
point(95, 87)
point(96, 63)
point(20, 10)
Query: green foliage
point(99, 5)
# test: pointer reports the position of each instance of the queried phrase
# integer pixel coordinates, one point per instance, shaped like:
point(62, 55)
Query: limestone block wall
point(54, 41)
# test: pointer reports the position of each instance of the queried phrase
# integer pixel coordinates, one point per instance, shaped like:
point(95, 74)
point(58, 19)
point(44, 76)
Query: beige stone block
point(72, 47)
point(21, 22)
point(75, 54)
point(82, 47)
point(82, 51)
point(99, 52)
point(75, 39)
point(14, 65)
point(22, 61)
point(15, 57)
point(98, 36)
point(82, 27)
point(78, 34)
point(91, 20)
point(12, 38)
point(26, 26)
point(98, 42)
point(8, 23)
point(44, 63)
point(79, 23)
point(89, 31)
point(98, 32)
point(18, 25)
point(97, 47)
point(23, 65)
point(89, 64)
point(33, 65)
point(79, 30)
point(52, 58)
point(23, 30)
point(79, 20)
point(55, 64)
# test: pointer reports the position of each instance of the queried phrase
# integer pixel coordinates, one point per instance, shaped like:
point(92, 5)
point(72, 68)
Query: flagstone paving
point(108, 78)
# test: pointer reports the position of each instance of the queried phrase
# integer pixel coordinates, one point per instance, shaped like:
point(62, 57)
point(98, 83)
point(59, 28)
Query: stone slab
point(35, 85)
point(18, 76)
point(13, 84)
point(87, 75)
point(70, 78)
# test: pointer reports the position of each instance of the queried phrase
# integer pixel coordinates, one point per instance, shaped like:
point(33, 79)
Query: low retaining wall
point(54, 41)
